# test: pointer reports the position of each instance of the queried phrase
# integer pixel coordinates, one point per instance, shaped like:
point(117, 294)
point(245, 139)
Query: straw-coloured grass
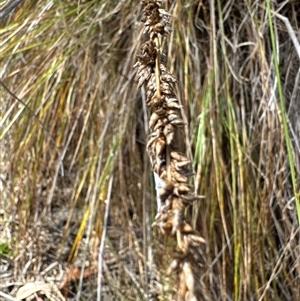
point(236, 142)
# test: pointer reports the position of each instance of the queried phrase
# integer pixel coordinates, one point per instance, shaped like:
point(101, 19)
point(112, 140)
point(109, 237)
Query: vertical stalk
point(171, 168)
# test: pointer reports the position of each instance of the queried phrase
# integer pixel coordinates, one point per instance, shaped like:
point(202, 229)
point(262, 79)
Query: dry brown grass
point(72, 63)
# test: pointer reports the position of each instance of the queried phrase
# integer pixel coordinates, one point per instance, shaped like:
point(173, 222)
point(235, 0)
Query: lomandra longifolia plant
point(171, 168)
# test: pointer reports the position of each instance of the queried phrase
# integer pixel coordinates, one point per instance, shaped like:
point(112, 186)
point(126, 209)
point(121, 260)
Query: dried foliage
point(228, 77)
point(171, 168)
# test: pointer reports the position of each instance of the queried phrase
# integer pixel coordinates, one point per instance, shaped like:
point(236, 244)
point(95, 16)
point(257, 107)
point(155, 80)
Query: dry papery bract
point(171, 166)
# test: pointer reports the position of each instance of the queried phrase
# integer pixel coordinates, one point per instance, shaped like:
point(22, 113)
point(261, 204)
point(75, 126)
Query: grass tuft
point(71, 63)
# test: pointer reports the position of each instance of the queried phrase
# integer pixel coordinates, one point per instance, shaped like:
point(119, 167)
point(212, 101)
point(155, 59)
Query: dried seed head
point(171, 167)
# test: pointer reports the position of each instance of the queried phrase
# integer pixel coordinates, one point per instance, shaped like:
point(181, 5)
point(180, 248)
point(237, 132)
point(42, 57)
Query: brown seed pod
point(163, 174)
point(160, 147)
point(182, 164)
point(166, 191)
point(150, 94)
point(168, 78)
point(173, 105)
point(143, 77)
point(148, 53)
point(177, 219)
point(167, 205)
point(166, 88)
point(178, 156)
point(151, 84)
point(189, 198)
point(155, 101)
point(160, 123)
point(182, 189)
point(169, 133)
point(177, 122)
point(153, 120)
point(151, 87)
point(175, 112)
point(159, 28)
point(151, 139)
point(196, 239)
point(176, 176)
point(164, 222)
point(171, 99)
point(172, 117)
point(163, 68)
point(157, 166)
point(161, 112)
point(143, 68)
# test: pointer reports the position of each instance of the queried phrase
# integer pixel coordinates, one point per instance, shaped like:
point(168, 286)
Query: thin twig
point(8, 8)
point(290, 31)
point(33, 114)
point(8, 297)
point(103, 238)
point(278, 265)
point(94, 199)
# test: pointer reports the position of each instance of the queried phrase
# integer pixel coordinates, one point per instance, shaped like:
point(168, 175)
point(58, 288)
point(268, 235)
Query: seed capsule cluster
point(171, 166)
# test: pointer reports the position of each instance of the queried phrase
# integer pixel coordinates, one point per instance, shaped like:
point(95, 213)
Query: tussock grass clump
point(221, 81)
point(65, 60)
